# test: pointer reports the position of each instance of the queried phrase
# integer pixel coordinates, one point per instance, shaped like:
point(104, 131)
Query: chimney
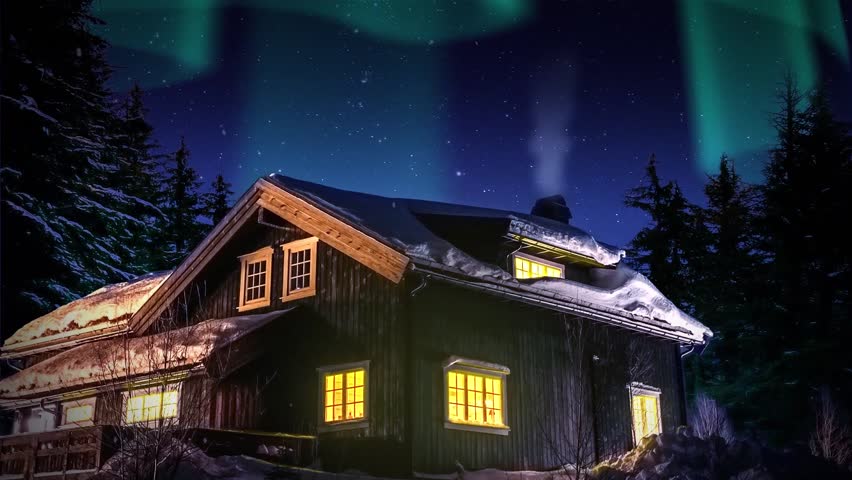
point(552, 207)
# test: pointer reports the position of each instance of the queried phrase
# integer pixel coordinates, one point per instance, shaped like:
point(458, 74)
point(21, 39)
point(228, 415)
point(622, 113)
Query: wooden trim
point(476, 367)
point(264, 254)
point(242, 210)
point(322, 425)
point(377, 256)
point(299, 245)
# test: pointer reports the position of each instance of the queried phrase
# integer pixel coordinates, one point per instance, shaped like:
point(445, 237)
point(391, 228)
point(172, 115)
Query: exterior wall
point(353, 317)
point(544, 379)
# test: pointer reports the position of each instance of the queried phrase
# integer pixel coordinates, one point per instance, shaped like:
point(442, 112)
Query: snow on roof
point(106, 307)
point(394, 221)
point(629, 291)
point(122, 358)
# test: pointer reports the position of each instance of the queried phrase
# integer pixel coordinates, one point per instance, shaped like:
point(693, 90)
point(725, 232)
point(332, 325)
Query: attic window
point(475, 396)
point(645, 403)
point(255, 279)
point(527, 266)
point(299, 269)
point(343, 396)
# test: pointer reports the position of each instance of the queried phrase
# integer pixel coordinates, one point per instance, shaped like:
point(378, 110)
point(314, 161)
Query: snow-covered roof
point(394, 221)
point(108, 307)
point(119, 359)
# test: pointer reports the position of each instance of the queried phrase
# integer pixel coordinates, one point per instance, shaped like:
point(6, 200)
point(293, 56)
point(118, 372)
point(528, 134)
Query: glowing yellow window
point(78, 412)
point(474, 399)
point(152, 406)
point(646, 412)
point(531, 267)
point(344, 393)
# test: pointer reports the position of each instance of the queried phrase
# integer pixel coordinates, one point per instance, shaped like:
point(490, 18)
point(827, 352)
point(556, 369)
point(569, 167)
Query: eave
point(542, 298)
point(302, 213)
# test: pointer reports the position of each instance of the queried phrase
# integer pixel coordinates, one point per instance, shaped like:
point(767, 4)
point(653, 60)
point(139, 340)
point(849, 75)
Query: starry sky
point(485, 102)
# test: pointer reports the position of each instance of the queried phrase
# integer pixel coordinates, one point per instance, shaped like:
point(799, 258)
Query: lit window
point(530, 267)
point(255, 278)
point(299, 268)
point(476, 395)
point(144, 407)
point(344, 394)
point(78, 412)
point(645, 402)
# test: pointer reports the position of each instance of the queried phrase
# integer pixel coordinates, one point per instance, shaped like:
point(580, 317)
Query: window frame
point(533, 258)
point(263, 254)
point(161, 389)
point(640, 389)
point(79, 402)
point(309, 243)
point(322, 425)
point(476, 367)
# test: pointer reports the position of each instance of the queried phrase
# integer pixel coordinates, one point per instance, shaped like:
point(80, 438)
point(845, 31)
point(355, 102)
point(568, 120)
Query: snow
point(568, 238)
point(122, 358)
point(109, 306)
point(395, 221)
point(628, 291)
point(35, 218)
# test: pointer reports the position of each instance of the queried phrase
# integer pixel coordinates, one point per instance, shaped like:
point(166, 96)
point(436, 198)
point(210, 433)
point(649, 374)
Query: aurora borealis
point(488, 102)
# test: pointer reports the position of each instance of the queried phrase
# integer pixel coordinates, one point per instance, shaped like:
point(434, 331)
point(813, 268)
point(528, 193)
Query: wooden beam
point(374, 254)
point(183, 275)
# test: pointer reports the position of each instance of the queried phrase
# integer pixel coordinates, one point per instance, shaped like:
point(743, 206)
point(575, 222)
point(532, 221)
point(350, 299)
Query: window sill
point(252, 306)
point(336, 427)
point(299, 294)
point(477, 428)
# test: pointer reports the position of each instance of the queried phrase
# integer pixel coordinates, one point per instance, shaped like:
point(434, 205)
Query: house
point(385, 335)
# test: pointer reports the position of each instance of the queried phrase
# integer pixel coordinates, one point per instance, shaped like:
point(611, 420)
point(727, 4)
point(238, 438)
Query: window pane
point(344, 393)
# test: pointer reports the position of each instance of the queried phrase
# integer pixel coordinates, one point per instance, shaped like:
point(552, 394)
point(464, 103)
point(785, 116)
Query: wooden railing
point(68, 454)
point(77, 453)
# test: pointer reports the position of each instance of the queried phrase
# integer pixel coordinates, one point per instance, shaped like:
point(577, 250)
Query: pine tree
point(63, 212)
point(140, 173)
point(726, 290)
point(217, 202)
point(662, 249)
point(183, 207)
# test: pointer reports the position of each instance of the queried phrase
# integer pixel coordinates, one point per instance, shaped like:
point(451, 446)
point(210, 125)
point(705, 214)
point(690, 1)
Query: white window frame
point(299, 245)
point(476, 367)
point(364, 422)
point(636, 388)
point(264, 254)
point(533, 258)
point(81, 402)
point(161, 389)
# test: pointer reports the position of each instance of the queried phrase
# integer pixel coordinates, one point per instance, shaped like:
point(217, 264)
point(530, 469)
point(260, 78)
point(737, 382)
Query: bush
point(709, 419)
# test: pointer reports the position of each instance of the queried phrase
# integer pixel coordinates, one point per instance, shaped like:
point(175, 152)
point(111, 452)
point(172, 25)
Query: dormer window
point(527, 266)
point(299, 269)
point(255, 275)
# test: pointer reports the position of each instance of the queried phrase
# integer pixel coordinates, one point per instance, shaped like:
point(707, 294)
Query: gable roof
point(120, 359)
point(613, 294)
point(100, 313)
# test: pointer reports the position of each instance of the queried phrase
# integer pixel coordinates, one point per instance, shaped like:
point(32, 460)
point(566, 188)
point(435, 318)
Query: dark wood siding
point(353, 317)
point(544, 380)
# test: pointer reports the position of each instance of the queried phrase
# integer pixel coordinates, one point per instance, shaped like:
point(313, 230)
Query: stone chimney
point(552, 207)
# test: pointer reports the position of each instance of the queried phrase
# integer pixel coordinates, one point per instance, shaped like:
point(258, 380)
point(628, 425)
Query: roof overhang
point(305, 215)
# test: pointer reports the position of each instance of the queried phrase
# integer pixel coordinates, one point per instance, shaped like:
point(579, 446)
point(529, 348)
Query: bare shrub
point(709, 419)
point(830, 438)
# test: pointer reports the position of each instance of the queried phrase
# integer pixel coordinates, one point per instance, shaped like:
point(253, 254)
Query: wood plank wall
point(531, 342)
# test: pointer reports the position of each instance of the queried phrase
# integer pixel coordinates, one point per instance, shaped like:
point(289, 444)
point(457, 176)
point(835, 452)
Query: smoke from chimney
point(553, 111)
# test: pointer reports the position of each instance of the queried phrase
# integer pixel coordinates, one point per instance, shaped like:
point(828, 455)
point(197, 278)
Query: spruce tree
point(662, 249)
point(217, 201)
point(183, 207)
point(63, 210)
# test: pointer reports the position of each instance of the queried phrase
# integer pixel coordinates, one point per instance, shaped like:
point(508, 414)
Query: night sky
point(485, 102)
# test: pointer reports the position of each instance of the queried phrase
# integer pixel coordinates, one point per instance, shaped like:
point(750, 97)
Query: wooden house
point(353, 331)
